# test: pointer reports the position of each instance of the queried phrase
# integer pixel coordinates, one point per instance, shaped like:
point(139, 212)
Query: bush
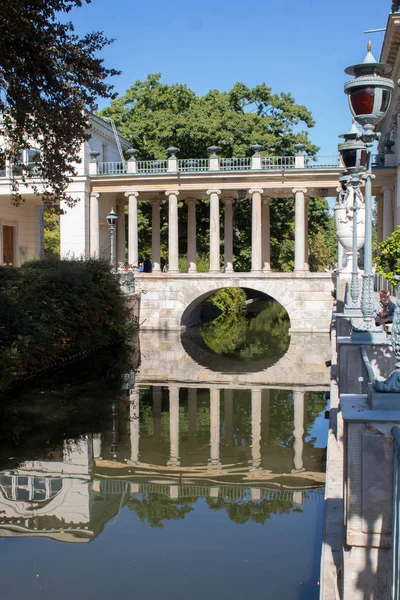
point(52, 309)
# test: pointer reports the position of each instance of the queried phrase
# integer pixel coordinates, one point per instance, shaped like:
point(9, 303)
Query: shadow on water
point(244, 342)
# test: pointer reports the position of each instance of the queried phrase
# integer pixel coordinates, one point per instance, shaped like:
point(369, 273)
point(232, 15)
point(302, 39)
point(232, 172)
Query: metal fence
point(152, 166)
point(111, 168)
point(193, 165)
point(322, 162)
point(278, 162)
point(396, 515)
point(381, 283)
point(235, 164)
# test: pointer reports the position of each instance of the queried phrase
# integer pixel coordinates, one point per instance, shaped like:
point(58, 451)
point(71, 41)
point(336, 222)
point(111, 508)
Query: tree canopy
point(49, 81)
point(155, 116)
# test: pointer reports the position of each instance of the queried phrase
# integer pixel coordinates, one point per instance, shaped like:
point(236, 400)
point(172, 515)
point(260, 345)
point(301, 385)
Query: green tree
point(49, 81)
point(155, 116)
point(51, 222)
point(388, 261)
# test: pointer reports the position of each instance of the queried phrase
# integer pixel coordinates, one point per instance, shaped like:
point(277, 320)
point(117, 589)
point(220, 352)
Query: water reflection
point(162, 449)
point(158, 468)
point(243, 342)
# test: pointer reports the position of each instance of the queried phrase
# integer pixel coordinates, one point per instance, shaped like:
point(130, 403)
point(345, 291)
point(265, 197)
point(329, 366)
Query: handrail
point(396, 513)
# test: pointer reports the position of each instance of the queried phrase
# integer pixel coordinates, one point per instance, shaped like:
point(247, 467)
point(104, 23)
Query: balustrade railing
point(396, 515)
point(278, 162)
point(193, 165)
point(381, 283)
point(111, 168)
point(235, 164)
point(152, 166)
point(322, 162)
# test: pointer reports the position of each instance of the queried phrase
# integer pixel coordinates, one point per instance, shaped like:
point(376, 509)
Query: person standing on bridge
point(147, 265)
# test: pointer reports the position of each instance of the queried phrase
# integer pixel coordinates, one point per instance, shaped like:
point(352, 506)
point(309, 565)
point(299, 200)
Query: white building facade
point(21, 227)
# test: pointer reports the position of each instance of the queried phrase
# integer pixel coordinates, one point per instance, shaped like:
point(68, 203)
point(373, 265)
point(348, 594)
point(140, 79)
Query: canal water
point(170, 472)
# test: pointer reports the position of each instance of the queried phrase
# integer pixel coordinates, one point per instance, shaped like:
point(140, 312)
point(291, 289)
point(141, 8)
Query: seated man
point(385, 315)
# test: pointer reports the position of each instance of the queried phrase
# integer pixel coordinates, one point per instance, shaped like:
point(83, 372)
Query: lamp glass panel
point(362, 100)
point(385, 100)
point(349, 158)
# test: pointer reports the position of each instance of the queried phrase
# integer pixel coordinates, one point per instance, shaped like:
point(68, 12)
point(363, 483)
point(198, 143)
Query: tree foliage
point(156, 116)
point(388, 261)
point(49, 81)
point(51, 222)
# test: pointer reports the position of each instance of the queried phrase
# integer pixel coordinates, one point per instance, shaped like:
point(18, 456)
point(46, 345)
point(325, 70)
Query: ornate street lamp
point(369, 98)
point(112, 219)
point(354, 158)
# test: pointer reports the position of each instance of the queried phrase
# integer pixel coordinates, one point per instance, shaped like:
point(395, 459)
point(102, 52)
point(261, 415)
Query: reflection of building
point(189, 432)
point(169, 446)
point(54, 498)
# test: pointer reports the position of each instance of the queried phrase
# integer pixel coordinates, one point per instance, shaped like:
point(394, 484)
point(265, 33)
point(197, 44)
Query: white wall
point(28, 233)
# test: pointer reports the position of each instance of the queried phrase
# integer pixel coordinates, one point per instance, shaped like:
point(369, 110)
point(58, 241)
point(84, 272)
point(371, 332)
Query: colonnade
point(260, 227)
point(215, 424)
point(388, 213)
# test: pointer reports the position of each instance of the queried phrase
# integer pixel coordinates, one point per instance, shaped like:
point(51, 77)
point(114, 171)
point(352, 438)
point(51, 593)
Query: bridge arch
point(191, 314)
point(168, 299)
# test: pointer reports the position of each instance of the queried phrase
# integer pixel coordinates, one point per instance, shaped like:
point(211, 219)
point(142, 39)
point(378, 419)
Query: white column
point(298, 431)
point(155, 234)
point(266, 235)
point(256, 427)
point(134, 423)
point(228, 235)
point(306, 265)
point(96, 443)
point(299, 235)
point(173, 240)
point(192, 414)
point(214, 230)
point(121, 234)
point(174, 426)
point(214, 426)
point(396, 202)
point(228, 417)
point(256, 251)
point(387, 217)
point(94, 225)
point(191, 235)
point(157, 411)
point(379, 217)
point(133, 250)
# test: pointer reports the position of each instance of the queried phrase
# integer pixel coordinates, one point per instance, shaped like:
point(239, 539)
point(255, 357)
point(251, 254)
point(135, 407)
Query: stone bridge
point(172, 301)
point(165, 361)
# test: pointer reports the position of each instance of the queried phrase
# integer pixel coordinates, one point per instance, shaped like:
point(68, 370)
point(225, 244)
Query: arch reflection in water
point(242, 341)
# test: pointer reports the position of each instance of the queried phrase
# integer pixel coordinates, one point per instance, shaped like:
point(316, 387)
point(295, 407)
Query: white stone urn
point(344, 225)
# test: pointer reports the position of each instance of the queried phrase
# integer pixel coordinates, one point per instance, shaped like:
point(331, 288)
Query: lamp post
point(112, 219)
point(369, 98)
point(353, 154)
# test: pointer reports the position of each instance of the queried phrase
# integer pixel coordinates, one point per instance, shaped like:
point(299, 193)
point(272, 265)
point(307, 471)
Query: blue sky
point(301, 47)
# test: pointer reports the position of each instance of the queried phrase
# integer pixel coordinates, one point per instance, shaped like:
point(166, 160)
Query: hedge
point(52, 309)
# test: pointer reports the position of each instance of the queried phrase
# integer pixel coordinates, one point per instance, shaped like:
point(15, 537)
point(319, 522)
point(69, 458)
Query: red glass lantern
point(369, 93)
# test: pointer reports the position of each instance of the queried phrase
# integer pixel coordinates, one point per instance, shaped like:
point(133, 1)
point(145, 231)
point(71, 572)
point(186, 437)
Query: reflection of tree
point(156, 508)
point(315, 404)
point(226, 334)
point(266, 335)
point(258, 512)
point(64, 406)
